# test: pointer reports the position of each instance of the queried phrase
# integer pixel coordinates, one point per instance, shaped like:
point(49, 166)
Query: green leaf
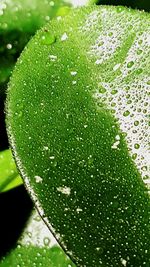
point(9, 177)
point(78, 124)
point(36, 247)
point(18, 23)
point(19, 20)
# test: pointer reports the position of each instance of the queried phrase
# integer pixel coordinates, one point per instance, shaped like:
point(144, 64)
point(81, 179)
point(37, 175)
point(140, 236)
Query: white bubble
point(64, 37)
point(64, 190)
point(38, 179)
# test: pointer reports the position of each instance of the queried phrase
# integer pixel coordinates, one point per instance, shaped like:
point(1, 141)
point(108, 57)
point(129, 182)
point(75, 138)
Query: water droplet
point(124, 262)
point(136, 146)
point(99, 250)
point(79, 210)
point(130, 64)
point(73, 73)
point(52, 57)
point(136, 123)
point(98, 61)
point(46, 241)
point(119, 9)
point(102, 90)
point(110, 34)
point(100, 43)
point(48, 39)
point(64, 190)
point(64, 37)
point(52, 3)
point(20, 114)
point(134, 156)
point(139, 52)
point(52, 157)
point(116, 67)
point(126, 113)
point(9, 46)
point(54, 163)
point(74, 82)
point(114, 91)
point(148, 82)
point(29, 234)
point(139, 71)
point(140, 41)
point(144, 168)
point(38, 179)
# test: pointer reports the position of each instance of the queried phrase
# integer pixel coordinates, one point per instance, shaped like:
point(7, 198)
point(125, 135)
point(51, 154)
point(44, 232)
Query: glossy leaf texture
point(36, 247)
point(9, 177)
point(77, 117)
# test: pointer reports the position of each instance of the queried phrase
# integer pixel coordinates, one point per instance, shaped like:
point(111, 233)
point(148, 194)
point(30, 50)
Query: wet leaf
point(36, 247)
point(78, 124)
point(9, 177)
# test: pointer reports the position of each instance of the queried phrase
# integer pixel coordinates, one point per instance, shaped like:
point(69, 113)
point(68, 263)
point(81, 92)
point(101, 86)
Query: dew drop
point(100, 43)
point(9, 46)
point(130, 64)
point(139, 52)
point(38, 179)
point(102, 90)
point(64, 190)
point(113, 92)
point(148, 82)
point(144, 168)
point(139, 71)
point(64, 37)
point(20, 114)
point(52, 57)
point(126, 113)
point(46, 241)
point(136, 123)
point(99, 250)
point(119, 9)
point(136, 146)
point(48, 39)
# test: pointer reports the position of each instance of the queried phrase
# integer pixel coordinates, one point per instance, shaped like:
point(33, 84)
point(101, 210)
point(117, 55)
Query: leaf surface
point(78, 124)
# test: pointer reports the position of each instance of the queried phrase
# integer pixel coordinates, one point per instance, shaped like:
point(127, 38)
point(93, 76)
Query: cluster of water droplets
point(127, 94)
point(38, 240)
point(127, 105)
point(37, 234)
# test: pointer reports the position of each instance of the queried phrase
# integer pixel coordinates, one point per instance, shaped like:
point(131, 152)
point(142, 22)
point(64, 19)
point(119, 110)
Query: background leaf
point(77, 120)
point(15, 209)
point(139, 4)
point(9, 177)
point(19, 20)
point(36, 247)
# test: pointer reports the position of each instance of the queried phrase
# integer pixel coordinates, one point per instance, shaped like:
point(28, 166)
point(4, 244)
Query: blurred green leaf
point(36, 247)
point(9, 177)
point(77, 114)
point(19, 20)
point(137, 4)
